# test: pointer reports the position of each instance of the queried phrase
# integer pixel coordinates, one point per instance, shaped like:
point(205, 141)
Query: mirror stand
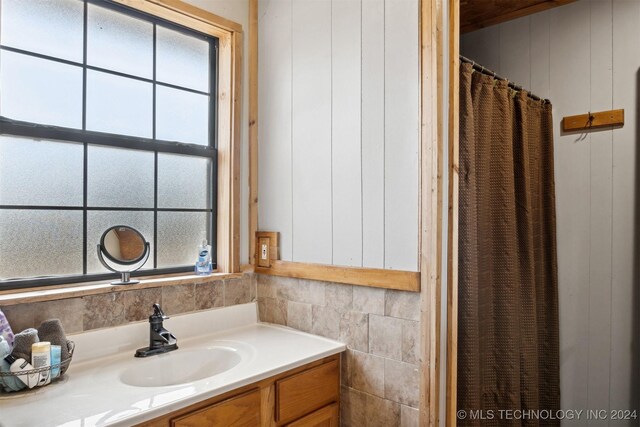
point(125, 276)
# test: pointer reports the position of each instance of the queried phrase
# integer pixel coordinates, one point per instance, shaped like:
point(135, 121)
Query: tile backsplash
point(123, 306)
point(381, 329)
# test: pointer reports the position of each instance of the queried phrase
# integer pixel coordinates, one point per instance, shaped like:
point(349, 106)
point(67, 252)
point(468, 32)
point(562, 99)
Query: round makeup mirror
point(126, 248)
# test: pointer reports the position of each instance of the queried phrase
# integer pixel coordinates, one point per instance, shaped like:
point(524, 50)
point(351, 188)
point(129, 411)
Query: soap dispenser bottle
point(203, 264)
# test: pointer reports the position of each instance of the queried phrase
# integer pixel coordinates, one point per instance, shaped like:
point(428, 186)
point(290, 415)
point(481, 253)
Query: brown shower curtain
point(508, 350)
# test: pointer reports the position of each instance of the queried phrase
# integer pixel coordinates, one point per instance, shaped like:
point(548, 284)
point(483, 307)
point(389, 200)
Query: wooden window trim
point(230, 56)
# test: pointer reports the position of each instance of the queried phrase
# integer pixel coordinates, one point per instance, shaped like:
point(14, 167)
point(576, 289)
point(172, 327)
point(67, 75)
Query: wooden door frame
point(431, 194)
point(452, 244)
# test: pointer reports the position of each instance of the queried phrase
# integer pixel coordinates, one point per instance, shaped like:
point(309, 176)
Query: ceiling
point(476, 14)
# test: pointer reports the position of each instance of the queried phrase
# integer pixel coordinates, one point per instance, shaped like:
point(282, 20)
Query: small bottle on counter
point(56, 352)
point(203, 264)
point(40, 358)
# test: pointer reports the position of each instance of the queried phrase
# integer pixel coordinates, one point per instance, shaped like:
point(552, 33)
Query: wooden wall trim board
point(253, 127)
point(431, 146)
point(452, 244)
point(508, 16)
point(373, 277)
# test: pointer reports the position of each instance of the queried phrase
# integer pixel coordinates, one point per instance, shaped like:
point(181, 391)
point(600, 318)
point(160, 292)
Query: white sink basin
point(180, 367)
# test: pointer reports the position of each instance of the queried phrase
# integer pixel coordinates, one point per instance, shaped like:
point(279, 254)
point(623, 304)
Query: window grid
point(87, 138)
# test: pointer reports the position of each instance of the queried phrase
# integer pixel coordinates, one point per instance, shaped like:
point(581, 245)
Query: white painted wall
point(238, 11)
point(338, 130)
point(585, 56)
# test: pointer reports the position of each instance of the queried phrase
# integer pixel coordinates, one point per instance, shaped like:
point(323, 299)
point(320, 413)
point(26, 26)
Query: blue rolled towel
point(8, 384)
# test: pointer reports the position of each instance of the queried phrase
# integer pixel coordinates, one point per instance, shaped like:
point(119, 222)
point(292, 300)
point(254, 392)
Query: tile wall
point(381, 329)
point(117, 308)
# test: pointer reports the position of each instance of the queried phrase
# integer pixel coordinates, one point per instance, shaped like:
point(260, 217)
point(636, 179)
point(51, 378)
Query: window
point(107, 117)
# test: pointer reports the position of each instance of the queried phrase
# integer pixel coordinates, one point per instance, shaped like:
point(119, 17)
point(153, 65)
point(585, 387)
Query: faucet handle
point(157, 312)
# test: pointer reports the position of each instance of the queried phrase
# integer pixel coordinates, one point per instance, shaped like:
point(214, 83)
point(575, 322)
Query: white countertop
point(92, 393)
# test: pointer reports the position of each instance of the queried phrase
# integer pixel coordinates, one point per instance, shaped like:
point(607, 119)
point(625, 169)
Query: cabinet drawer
point(325, 417)
point(303, 393)
point(238, 411)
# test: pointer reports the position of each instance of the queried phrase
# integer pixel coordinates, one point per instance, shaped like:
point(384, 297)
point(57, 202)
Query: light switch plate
point(266, 250)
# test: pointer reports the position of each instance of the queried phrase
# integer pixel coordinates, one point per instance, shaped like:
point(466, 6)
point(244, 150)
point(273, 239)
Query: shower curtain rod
point(488, 72)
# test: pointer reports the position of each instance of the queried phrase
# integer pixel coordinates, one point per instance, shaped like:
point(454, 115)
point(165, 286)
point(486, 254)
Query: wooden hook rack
point(593, 120)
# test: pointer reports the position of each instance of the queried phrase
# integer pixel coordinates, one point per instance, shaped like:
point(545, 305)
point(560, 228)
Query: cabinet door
point(306, 391)
point(325, 417)
point(238, 411)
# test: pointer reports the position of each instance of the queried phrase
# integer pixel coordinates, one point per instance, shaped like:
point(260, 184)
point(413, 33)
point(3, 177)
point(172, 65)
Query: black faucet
point(160, 340)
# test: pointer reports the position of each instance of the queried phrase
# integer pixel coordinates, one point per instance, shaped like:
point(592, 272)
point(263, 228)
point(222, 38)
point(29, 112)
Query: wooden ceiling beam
point(471, 20)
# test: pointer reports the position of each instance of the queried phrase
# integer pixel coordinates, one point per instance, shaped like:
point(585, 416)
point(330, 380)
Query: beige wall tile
point(411, 341)
point(354, 330)
point(138, 304)
point(272, 310)
point(338, 296)
point(385, 336)
point(20, 316)
point(401, 382)
point(280, 312)
point(254, 285)
point(299, 316)
point(409, 417)
point(368, 300)
point(69, 311)
point(352, 408)
point(103, 311)
point(236, 291)
point(382, 412)
point(367, 372)
point(250, 282)
point(307, 291)
point(265, 313)
point(209, 295)
point(325, 322)
point(345, 371)
point(267, 286)
point(178, 299)
point(401, 304)
point(286, 288)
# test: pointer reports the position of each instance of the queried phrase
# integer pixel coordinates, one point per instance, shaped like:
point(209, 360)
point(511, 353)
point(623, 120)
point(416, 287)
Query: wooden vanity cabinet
point(308, 396)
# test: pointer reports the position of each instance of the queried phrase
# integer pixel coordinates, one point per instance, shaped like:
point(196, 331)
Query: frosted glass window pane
point(119, 105)
point(119, 178)
point(184, 182)
point(40, 172)
point(182, 116)
point(182, 60)
point(53, 28)
point(25, 234)
point(40, 91)
point(99, 221)
point(179, 235)
point(119, 42)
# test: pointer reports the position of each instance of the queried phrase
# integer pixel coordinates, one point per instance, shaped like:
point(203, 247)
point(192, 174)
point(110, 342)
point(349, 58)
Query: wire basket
point(62, 366)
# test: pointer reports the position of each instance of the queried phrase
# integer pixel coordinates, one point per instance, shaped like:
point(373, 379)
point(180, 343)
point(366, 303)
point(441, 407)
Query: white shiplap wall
point(585, 56)
point(338, 130)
